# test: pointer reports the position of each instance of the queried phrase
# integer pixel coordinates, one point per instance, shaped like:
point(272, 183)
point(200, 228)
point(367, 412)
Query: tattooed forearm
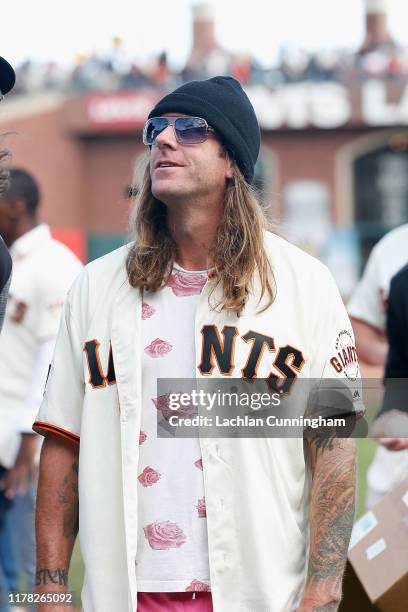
point(68, 499)
point(51, 576)
point(56, 513)
point(332, 506)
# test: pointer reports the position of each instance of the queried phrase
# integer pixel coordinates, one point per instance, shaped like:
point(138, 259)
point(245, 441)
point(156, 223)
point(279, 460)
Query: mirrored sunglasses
point(188, 130)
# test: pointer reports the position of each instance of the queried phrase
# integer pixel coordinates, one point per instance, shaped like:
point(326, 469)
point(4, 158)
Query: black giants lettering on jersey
point(97, 377)
point(288, 361)
point(259, 342)
point(214, 347)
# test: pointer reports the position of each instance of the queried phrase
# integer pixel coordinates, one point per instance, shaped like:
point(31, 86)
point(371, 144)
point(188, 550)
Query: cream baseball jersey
point(43, 271)
point(369, 303)
point(256, 489)
point(369, 299)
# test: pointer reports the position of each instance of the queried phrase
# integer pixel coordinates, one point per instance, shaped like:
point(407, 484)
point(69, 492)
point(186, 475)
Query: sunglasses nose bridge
point(168, 133)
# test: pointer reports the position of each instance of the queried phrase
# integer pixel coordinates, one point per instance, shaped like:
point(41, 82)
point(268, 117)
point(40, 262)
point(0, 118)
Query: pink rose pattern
point(162, 404)
point(197, 585)
point(148, 477)
point(158, 348)
point(202, 513)
point(183, 284)
point(199, 463)
point(165, 535)
point(147, 311)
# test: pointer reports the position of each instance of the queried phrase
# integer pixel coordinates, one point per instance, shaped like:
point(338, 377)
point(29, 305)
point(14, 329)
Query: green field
point(366, 448)
point(76, 574)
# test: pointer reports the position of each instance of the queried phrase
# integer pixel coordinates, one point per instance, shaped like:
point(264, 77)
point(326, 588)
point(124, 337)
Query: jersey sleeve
point(335, 368)
point(367, 301)
point(61, 409)
point(43, 357)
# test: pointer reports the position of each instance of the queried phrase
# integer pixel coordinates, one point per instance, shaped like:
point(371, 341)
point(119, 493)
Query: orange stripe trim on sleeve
point(41, 427)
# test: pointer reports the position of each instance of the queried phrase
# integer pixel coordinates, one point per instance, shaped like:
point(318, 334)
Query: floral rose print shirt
point(172, 551)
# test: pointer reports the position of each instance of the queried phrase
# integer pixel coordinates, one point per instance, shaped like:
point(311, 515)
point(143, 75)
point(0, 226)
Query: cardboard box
point(379, 551)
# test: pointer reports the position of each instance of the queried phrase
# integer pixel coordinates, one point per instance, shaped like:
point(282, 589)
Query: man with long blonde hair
point(172, 523)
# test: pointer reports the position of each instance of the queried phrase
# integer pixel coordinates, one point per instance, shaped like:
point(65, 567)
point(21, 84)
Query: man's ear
point(229, 171)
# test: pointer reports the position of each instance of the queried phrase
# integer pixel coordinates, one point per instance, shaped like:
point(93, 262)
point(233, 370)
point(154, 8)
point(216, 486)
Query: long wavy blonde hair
point(237, 251)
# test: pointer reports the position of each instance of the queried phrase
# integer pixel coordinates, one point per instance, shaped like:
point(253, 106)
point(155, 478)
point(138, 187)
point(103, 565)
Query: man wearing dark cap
point(171, 523)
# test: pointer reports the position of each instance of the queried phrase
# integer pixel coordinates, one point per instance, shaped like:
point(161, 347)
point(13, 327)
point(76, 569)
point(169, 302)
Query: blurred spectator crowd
point(114, 70)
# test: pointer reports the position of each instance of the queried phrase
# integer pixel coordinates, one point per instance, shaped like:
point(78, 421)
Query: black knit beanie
point(226, 108)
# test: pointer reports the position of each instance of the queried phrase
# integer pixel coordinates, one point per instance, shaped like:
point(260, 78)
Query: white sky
point(57, 30)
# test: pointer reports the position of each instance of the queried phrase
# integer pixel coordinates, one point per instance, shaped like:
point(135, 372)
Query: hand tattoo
point(47, 576)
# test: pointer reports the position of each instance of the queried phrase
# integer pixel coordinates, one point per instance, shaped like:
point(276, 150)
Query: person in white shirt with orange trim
point(229, 524)
point(43, 270)
point(368, 310)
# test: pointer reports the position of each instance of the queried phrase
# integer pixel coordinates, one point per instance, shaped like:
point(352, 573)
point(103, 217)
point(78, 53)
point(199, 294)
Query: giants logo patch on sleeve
point(345, 360)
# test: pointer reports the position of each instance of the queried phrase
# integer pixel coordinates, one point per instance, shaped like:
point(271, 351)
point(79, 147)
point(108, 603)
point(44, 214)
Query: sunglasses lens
point(153, 128)
point(190, 130)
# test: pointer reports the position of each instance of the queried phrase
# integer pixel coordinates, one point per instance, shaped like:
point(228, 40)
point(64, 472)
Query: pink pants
point(175, 602)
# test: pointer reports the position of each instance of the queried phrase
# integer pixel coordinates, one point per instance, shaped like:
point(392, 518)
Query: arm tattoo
point(51, 576)
point(332, 506)
point(68, 499)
